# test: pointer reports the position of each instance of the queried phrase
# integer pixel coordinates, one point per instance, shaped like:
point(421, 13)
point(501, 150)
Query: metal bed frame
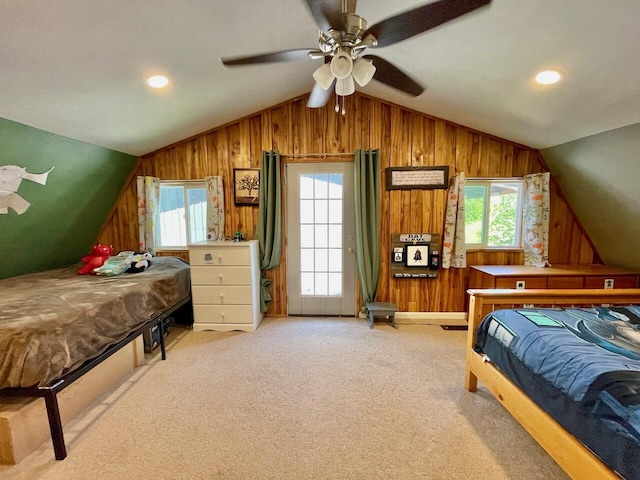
point(50, 392)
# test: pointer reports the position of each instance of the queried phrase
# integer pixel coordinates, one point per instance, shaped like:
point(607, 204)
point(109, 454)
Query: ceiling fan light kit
point(323, 76)
point(363, 71)
point(345, 36)
point(345, 86)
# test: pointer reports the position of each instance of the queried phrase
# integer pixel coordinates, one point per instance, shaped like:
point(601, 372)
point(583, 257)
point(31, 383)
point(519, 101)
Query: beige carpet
point(300, 398)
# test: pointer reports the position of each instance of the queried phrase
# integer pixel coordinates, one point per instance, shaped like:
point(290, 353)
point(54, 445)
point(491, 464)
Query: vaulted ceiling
point(78, 68)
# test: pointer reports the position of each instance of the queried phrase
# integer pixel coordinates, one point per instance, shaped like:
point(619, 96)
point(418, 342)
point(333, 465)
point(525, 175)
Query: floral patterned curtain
point(454, 253)
point(535, 221)
point(148, 195)
point(215, 208)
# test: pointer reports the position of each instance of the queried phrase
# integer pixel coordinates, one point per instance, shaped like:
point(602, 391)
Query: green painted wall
point(600, 176)
point(67, 213)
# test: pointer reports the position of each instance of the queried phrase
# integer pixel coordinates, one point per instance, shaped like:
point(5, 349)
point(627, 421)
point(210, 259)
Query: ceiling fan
point(345, 36)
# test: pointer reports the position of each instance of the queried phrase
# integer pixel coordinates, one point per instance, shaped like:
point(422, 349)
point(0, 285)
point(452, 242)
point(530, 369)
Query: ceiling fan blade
point(413, 22)
point(391, 75)
point(282, 56)
point(327, 13)
point(319, 97)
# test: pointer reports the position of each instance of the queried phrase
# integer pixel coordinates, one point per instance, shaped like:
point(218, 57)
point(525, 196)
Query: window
point(178, 226)
point(493, 213)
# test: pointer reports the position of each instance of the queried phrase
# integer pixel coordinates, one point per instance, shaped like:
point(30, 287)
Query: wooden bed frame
point(574, 458)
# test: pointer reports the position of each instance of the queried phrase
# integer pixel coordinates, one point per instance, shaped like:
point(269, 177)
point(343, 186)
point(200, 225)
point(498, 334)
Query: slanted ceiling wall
point(600, 175)
point(405, 138)
point(66, 214)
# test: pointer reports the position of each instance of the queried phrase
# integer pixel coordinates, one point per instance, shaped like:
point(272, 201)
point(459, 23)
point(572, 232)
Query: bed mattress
point(52, 322)
point(582, 366)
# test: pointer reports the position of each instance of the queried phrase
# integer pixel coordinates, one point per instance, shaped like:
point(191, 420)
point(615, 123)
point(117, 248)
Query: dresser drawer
point(565, 282)
point(210, 295)
point(223, 314)
point(219, 256)
point(619, 281)
point(529, 282)
point(221, 276)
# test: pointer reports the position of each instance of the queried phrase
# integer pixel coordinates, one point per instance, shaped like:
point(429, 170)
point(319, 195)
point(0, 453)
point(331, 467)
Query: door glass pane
point(322, 283)
point(335, 284)
point(306, 236)
point(306, 283)
point(335, 185)
point(306, 211)
point(321, 186)
point(306, 186)
point(321, 211)
point(335, 260)
point(306, 259)
point(335, 236)
point(335, 211)
point(322, 260)
point(321, 234)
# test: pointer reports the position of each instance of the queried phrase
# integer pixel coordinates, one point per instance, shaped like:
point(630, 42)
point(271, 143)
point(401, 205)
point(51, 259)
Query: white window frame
point(186, 185)
point(488, 182)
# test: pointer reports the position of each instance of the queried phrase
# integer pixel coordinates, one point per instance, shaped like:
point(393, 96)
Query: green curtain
point(269, 229)
point(367, 205)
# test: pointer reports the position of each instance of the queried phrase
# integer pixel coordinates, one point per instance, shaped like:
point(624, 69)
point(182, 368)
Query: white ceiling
point(77, 68)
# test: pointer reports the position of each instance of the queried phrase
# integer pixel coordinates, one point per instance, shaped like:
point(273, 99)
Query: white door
point(321, 260)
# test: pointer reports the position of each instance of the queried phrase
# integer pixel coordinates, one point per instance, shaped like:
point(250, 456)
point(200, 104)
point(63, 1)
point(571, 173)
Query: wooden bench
point(382, 309)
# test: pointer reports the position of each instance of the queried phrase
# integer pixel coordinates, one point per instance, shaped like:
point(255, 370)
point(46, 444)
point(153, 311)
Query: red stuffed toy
point(98, 256)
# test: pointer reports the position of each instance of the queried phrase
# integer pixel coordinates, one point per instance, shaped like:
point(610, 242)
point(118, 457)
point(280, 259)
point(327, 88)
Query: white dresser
point(225, 285)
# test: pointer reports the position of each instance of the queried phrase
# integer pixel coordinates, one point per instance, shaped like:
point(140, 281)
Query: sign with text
point(417, 178)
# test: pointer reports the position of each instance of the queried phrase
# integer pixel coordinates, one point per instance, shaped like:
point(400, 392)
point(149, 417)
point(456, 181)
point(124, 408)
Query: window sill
point(495, 249)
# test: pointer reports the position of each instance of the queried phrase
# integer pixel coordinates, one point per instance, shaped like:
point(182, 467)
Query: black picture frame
point(417, 178)
point(416, 255)
point(246, 185)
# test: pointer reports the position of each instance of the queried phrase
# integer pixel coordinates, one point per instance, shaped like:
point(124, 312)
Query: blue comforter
point(582, 366)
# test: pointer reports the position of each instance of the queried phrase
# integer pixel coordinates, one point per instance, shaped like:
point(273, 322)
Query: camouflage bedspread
point(51, 322)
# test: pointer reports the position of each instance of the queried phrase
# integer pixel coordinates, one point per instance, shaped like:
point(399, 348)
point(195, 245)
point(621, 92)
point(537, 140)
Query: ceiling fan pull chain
point(344, 110)
point(337, 107)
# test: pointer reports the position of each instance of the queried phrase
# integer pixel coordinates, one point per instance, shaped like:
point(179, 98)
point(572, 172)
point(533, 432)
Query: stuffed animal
point(96, 259)
point(140, 262)
point(116, 265)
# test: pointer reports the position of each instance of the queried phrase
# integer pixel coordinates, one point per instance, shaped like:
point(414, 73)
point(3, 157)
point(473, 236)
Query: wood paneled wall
point(405, 138)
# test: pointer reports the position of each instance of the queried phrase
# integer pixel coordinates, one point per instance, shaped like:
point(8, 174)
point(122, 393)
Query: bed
point(538, 410)
point(57, 325)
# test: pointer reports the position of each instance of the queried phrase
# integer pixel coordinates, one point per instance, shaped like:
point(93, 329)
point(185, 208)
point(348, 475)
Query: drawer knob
point(221, 296)
point(219, 257)
point(222, 315)
point(220, 277)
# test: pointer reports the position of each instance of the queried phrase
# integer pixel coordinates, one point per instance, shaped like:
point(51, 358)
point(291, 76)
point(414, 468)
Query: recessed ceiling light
point(548, 77)
point(157, 81)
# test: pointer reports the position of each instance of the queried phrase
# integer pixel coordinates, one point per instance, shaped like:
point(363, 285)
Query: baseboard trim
point(431, 318)
point(428, 318)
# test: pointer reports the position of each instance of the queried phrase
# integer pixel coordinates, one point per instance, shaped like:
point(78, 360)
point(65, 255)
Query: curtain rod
point(317, 155)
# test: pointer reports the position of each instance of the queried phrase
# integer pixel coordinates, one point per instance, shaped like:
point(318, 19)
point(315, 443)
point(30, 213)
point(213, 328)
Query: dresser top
point(222, 243)
point(556, 270)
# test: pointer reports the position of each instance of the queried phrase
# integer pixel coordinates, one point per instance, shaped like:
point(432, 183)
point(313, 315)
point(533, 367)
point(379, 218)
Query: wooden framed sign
point(417, 178)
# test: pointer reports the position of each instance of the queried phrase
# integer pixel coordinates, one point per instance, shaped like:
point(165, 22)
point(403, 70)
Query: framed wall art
point(246, 184)
point(417, 178)
point(417, 255)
